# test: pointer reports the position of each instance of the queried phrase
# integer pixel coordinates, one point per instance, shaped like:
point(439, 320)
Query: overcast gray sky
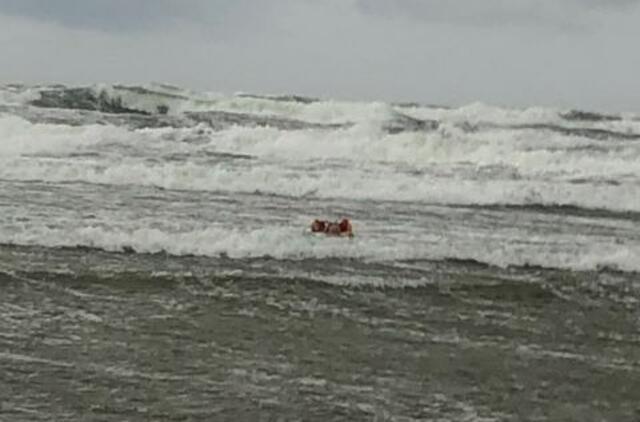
point(565, 53)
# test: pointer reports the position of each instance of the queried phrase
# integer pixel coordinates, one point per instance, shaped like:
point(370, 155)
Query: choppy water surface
point(155, 265)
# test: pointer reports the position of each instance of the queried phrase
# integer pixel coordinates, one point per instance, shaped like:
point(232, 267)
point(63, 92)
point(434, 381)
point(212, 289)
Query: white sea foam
point(529, 152)
point(289, 242)
point(348, 183)
point(362, 162)
point(491, 164)
point(17, 95)
point(19, 136)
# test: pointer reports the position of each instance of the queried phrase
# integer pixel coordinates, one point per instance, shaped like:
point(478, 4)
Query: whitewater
point(553, 188)
point(156, 261)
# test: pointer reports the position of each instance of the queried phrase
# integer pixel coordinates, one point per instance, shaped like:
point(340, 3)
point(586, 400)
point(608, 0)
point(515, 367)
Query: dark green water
point(202, 339)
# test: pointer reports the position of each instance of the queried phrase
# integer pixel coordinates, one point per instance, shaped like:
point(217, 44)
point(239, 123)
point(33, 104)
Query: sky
point(562, 53)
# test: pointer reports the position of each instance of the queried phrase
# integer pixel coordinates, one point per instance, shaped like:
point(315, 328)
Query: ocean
point(156, 261)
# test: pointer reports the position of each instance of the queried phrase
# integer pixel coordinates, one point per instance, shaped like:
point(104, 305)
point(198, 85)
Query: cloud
point(565, 13)
point(145, 15)
point(132, 15)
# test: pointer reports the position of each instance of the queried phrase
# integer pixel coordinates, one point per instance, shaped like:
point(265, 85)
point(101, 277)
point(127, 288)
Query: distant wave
point(143, 114)
point(588, 116)
point(448, 165)
point(592, 133)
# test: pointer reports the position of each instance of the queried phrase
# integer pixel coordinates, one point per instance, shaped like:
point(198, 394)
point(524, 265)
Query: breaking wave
point(447, 166)
point(507, 163)
point(282, 242)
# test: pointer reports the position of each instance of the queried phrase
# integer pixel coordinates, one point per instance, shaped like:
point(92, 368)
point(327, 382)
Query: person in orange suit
point(343, 228)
